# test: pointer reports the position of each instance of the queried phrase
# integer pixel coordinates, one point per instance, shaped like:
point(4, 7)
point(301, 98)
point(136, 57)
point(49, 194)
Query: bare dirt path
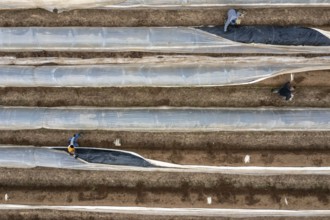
point(56, 186)
point(313, 90)
point(149, 17)
point(77, 215)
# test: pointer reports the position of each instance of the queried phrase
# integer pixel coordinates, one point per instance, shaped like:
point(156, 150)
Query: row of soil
point(305, 16)
point(286, 141)
point(215, 157)
point(235, 96)
point(77, 215)
point(205, 148)
point(312, 90)
point(133, 54)
point(169, 141)
point(56, 187)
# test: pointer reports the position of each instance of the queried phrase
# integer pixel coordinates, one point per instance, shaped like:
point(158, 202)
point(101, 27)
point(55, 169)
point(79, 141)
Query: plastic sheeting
point(153, 39)
point(205, 212)
point(275, 35)
point(59, 158)
point(214, 72)
point(165, 119)
point(62, 5)
point(112, 157)
point(98, 159)
point(28, 157)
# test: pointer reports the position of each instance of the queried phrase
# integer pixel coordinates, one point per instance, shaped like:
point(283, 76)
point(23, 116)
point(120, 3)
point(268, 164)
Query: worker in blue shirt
point(72, 142)
point(232, 19)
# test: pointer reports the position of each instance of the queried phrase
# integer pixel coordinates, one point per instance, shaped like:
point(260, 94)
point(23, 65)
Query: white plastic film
point(165, 119)
point(153, 39)
point(214, 72)
point(204, 212)
point(29, 157)
point(63, 5)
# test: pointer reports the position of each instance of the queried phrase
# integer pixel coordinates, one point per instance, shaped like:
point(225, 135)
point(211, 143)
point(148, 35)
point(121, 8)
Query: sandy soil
point(56, 186)
point(148, 17)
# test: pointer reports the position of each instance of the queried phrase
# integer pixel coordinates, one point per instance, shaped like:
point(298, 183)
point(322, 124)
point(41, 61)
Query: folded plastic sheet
point(217, 72)
point(98, 159)
point(153, 39)
point(165, 119)
point(62, 5)
point(107, 156)
point(275, 35)
point(58, 157)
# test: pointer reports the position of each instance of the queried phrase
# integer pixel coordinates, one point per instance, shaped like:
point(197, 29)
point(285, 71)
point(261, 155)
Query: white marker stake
point(117, 142)
point(6, 197)
point(209, 200)
point(247, 159)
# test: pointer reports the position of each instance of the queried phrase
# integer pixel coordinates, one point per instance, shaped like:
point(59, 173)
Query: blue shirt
point(232, 17)
point(73, 140)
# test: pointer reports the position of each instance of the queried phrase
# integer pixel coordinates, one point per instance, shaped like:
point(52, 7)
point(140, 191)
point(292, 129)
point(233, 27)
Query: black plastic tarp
point(275, 35)
point(112, 157)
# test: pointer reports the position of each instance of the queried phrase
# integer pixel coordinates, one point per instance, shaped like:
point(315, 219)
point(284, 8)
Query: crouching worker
point(72, 151)
point(285, 91)
point(73, 144)
point(233, 18)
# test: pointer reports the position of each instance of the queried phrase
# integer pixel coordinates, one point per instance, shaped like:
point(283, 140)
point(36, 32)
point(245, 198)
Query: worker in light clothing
point(232, 19)
point(72, 144)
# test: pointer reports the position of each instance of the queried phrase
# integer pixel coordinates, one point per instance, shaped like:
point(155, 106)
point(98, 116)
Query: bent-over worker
point(233, 18)
point(285, 91)
point(72, 144)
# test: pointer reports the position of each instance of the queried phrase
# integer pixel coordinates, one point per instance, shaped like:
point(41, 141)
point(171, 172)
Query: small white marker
point(117, 142)
point(6, 197)
point(247, 159)
point(209, 200)
point(292, 77)
point(286, 201)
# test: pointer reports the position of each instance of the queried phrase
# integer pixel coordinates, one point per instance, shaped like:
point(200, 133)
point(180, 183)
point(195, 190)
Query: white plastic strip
point(165, 119)
point(29, 157)
point(63, 5)
point(171, 72)
point(205, 212)
point(153, 39)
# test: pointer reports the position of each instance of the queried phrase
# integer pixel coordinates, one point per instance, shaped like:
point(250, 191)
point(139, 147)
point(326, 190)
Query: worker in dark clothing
point(285, 91)
point(72, 142)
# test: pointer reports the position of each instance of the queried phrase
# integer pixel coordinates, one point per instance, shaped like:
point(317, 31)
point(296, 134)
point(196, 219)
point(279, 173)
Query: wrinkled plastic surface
point(59, 158)
point(32, 157)
point(217, 72)
point(165, 119)
point(29, 157)
point(154, 39)
point(275, 35)
point(111, 157)
point(62, 5)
